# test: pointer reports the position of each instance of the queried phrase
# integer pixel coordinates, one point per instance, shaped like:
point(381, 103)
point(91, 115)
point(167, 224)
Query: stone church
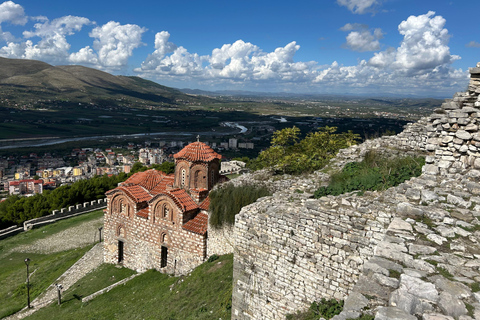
point(159, 221)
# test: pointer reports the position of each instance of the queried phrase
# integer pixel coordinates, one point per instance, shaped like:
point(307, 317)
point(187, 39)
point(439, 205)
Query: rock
point(462, 134)
point(458, 201)
point(436, 238)
point(407, 210)
point(393, 313)
point(433, 169)
point(445, 231)
point(436, 316)
point(420, 249)
point(413, 194)
point(354, 302)
point(451, 306)
point(367, 286)
point(398, 224)
point(456, 289)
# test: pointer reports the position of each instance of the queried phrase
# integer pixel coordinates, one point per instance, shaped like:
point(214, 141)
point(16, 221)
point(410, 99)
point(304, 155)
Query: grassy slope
point(204, 294)
point(44, 268)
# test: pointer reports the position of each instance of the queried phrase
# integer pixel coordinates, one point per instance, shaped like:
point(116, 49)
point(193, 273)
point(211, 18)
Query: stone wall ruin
point(386, 252)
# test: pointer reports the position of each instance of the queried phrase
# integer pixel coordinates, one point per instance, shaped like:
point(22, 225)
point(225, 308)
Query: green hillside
point(35, 84)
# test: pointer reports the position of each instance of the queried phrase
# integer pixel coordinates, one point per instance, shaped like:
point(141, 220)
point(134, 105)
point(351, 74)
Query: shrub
point(228, 200)
point(289, 154)
point(373, 173)
point(324, 309)
point(212, 258)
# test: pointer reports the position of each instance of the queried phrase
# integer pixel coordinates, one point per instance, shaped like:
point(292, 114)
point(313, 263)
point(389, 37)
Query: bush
point(324, 309)
point(373, 173)
point(289, 154)
point(228, 200)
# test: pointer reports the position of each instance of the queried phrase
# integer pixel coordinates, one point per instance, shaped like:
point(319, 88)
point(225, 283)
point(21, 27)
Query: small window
point(166, 212)
point(184, 176)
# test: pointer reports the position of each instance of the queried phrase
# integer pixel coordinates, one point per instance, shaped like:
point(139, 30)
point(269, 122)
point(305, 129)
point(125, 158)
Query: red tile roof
point(148, 179)
point(197, 151)
point(205, 204)
point(136, 193)
point(183, 200)
point(143, 213)
point(199, 224)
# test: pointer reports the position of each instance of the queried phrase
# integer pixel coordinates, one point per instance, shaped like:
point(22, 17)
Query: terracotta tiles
point(199, 224)
point(197, 151)
point(205, 204)
point(143, 213)
point(149, 179)
point(186, 202)
point(136, 193)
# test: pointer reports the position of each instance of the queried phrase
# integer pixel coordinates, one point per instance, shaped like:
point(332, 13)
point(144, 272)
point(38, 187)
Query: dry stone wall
point(410, 252)
point(220, 240)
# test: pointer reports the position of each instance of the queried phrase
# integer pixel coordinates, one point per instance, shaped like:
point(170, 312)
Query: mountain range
point(32, 83)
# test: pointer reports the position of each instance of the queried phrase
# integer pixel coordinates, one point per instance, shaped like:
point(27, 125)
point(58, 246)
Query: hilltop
point(34, 84)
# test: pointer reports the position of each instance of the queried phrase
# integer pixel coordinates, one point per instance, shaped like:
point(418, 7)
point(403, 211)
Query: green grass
point(204, 294)
point(102, 277)
point(44, 268)
point(375, 172)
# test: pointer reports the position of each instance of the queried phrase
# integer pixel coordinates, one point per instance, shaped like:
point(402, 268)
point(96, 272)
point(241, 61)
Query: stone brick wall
point(220, 241)
point(291, 250)
point(289, 253)
point(143, 240)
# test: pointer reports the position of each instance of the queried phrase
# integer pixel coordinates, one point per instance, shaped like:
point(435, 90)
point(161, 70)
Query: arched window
point(212, 178)
point(121, 231)
point(184, 176)
point(165, 211)
point(195, 179)
point(163, 238)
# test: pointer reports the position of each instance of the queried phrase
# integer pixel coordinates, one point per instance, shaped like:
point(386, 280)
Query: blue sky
point(379, 47)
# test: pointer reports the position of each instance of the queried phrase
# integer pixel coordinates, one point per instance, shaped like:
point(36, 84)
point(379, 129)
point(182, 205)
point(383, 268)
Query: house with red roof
point(159, 221)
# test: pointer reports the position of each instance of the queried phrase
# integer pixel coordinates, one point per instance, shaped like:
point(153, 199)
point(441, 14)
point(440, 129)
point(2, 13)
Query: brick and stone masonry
point(159, 221)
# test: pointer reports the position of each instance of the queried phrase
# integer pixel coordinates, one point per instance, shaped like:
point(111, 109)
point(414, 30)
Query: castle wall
point(291, 250)
point(220, 241)
point(288, 254)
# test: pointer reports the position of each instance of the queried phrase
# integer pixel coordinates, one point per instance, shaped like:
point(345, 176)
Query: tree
point(289, 154)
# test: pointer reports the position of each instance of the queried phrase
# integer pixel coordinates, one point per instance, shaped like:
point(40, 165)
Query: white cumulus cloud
point(113, 45)
point(12, 13)
point(424, 46)
point(359, 6)
point(170, 60)
point(362, 39)
point(237, 62)
point(422, 61)
point(52, 47)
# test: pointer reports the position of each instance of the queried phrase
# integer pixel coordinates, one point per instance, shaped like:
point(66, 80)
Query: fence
point(56, 215)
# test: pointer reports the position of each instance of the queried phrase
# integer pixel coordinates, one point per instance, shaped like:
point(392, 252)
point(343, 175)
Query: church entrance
point(163, 262)
point(120, 251)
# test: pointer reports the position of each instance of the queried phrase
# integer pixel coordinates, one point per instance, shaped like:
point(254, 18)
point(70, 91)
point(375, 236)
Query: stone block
point(462, 134)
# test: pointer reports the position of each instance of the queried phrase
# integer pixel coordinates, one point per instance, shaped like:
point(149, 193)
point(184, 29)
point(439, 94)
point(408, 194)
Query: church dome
point(197, 151)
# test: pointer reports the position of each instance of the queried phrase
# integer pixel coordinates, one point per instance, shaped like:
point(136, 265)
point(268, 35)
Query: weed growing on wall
point(326, 309)
point(228, 200)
